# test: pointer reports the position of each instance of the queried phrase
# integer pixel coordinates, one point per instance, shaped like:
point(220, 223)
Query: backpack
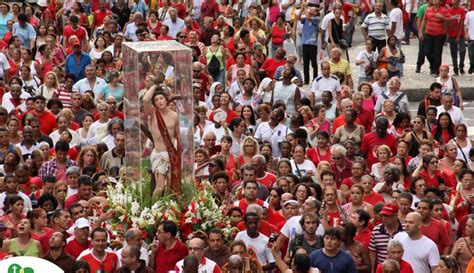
point(395, 102)
point(214, 66)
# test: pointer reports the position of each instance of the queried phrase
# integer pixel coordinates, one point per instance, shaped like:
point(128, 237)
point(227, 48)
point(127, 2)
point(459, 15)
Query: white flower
point(135, 209)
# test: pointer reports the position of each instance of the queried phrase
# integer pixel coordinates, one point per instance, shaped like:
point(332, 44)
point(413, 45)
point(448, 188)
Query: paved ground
point(417, 84)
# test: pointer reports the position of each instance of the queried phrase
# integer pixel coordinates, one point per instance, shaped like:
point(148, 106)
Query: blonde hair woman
point(248, 148)
point(50, 85)
point(383, 155)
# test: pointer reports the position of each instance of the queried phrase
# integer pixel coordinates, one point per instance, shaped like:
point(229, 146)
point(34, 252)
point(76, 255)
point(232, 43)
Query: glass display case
point(167, 65)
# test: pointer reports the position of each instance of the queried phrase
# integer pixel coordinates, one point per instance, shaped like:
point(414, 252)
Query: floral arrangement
point(194, 211)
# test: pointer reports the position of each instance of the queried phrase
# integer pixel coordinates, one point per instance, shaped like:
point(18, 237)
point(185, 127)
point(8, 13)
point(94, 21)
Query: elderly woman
point(391, 177)
point(72, 176)
point(398, 97)
point(63, 125)
point(302, 167)
point(383, 155)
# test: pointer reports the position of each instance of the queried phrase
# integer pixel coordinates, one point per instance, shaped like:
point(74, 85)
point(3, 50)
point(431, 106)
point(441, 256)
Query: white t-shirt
point(4, 64)
point(378, 90)
point(321, 84)
point(264, 255)
point(407, 4)
point(274, 136)
point(175, 27)
point(303, 168)
point(396, 16)
point(219, 132)
point(469, 23)
point(420, 254)
point(365, 56)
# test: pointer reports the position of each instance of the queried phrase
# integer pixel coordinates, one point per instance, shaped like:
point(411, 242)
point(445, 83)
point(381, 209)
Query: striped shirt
point(377, 26)
point(435, 26)
point(379, 241)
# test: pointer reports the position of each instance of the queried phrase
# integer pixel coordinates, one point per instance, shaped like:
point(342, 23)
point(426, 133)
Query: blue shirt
point(3, 24)
point(77, 69)
point(26, 34)
point(341, 263)
point(309, 34)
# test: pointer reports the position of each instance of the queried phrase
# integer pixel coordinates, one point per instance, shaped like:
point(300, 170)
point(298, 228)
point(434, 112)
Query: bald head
point(412, 224)
point(286, 196)
point(236, 264)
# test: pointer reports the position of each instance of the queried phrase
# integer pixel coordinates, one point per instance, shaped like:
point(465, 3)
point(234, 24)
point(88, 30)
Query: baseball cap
point(290, 202)
point(75, 43)
point(389, 209)
point(82, 223)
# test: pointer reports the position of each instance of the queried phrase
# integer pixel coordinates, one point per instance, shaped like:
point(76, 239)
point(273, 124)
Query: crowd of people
point(318, 172)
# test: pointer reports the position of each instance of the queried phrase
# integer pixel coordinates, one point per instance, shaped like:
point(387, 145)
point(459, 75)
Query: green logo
point(15, 268)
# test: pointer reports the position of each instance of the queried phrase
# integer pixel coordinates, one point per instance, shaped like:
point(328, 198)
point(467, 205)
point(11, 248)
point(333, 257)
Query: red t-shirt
point(363, 237)
point(340, 121)
point(457, 16)
point(373, 198)
point(47, 122)
point(315, 156)
point(209, 9)
point(371, 143)
point(366, 119)
point(100, 16)
point(80, 33)
point(74, 248)
point(271, 65)
point(109, 264)
point(165, 260)
point(404, 267)
point(435, 26)
point(230, 116)
point(437, 232)
point(203, 81)
point(265, 227)
point(71, 200)
point(267, 180)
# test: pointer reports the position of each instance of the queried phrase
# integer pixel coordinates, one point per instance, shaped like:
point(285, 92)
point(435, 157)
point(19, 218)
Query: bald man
point(235, 264)
point(420, 252)
point(196, 248)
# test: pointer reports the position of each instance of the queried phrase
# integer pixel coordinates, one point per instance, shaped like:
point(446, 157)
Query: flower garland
point(195, 211)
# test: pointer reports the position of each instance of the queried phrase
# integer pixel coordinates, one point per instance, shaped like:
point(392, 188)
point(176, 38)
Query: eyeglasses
point(336, 158)
point(434, 162)
point(182, 37)
point(65, 190)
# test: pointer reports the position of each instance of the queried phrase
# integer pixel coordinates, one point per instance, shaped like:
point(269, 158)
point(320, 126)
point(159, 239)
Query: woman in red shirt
point(320, 152)
point(278, 32)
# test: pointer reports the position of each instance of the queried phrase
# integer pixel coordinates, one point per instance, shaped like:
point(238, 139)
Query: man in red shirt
point(456, 39)
point(366, 117)
point(372, 140)
point(60, 220)
point(360, 218)
point(209, 8)
point(99, 257)
point(201, 79)
point(169, 251)
point(73, 28)
point(84, 191)
point(46, 118)
point(271, 64)
point(395, 252)
point(99, 14)
point(76, 244)
point(433, 228)
point(263, 177)
point(434, 23)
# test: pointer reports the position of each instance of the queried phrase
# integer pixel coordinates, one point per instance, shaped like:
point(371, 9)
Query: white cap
point(42, 3)
point(82, 223)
